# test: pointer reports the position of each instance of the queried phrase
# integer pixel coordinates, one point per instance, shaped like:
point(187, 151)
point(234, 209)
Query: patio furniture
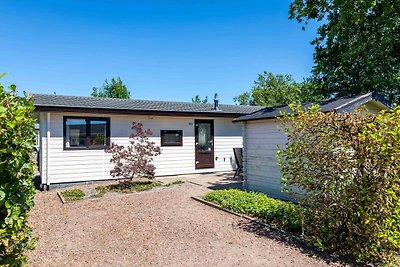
point(238, 152)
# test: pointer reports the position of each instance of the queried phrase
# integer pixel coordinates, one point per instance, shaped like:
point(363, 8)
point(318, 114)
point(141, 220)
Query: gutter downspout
point(48, 150)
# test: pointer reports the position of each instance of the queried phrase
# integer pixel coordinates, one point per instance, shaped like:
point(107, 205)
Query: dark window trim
point(180, 132)
point(87, 138)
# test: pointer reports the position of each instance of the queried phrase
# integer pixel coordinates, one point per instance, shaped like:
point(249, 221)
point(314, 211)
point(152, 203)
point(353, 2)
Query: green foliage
point(132, 186)
point(275, 90)
point(174, 183)
point(115, 89)
point(276, 212)
point(73, 194)
point(357, 49)
point(100, 191)
point(17, 191)
point(197, 99)
point(343, 168)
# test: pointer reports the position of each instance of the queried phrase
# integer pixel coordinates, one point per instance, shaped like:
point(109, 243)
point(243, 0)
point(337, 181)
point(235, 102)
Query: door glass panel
point(75, 133)
point(205, 144)
point(98, 133)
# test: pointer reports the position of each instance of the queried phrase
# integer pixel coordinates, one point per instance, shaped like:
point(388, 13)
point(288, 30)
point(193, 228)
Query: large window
point(86, 133)
point(171, 137)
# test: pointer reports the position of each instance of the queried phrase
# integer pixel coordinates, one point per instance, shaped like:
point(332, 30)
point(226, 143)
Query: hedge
point(17, 135)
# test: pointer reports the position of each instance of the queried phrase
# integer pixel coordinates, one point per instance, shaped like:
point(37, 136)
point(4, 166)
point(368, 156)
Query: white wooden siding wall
point(87, 165)
point(261, 171)
point(43, 146)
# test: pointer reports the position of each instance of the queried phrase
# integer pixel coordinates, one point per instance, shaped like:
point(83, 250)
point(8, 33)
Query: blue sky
point(162, 50)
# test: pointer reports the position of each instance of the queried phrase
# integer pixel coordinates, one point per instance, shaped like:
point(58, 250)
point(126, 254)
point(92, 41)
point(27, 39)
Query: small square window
point(171, 137)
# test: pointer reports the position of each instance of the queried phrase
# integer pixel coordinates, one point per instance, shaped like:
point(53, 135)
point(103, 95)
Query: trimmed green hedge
point(279, 213)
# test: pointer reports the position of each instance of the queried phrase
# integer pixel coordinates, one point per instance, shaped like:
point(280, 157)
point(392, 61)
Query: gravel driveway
point(162, 227)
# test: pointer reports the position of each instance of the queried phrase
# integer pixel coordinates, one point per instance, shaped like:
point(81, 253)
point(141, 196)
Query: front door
point(204, 143)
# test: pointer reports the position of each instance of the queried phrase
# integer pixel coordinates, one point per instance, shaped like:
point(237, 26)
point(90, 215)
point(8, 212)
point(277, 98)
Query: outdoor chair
point(238, 152)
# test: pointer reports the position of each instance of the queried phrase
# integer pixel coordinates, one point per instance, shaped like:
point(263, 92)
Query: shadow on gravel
point(267, 232)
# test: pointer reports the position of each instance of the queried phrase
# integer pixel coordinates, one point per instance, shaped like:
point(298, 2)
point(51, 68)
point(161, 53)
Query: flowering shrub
point(347, 168)
point(135, 160)
point(17, 191)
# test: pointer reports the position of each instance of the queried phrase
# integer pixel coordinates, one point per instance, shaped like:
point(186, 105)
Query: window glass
point(205, 144)
point(86, 132)
point(171, 137)
point(75, 133)
point(98, 130)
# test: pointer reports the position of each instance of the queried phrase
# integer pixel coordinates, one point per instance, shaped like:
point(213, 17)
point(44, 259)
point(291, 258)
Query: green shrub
point(128, 186)
point(101, 190)
point(347, 167)
point(73, 194)
point(132, 186)
point(282, 214)
point(174, 183)
point(17, 190)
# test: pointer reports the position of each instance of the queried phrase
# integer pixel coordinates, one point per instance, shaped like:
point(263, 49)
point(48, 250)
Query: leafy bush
point(17, 190)
point(131, 186)
point(73, 194)
point(347, 167)
point(100, 191)
point(128, 186)
point(174, 183)
point(135, 160)
point(276, 212)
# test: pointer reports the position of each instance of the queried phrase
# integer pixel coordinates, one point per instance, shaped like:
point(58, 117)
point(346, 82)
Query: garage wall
point(261, 171)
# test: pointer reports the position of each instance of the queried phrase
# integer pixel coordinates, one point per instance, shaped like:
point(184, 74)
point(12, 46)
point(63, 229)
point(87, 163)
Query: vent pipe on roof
point(216, 102)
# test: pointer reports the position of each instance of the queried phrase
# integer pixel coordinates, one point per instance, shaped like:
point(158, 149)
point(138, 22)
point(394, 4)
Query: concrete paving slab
point(215, 180)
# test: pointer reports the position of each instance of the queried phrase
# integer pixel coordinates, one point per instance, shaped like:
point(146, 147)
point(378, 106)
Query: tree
point(274, 90)
point(197, 99)
point(135, 160)
point(17, 191)
point(357, 48)
point(115, 89)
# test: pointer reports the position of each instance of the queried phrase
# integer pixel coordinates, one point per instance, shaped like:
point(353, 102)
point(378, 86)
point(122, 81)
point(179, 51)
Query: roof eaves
point(47, 108)
point(351, 105)
point(348, 106)
point(354, 102)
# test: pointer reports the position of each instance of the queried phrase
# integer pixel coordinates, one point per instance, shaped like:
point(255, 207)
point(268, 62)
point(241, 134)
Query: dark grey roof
point(79, 103)
point(341, 104)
